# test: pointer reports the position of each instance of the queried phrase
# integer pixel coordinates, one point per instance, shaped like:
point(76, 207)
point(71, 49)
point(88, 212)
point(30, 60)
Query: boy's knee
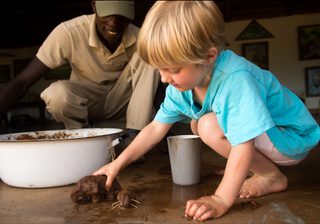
point(208, 128)
point(194, 127)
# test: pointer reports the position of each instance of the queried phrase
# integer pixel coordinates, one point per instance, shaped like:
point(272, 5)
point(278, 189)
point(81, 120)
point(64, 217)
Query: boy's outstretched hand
point(206, 207)
point(111, 170)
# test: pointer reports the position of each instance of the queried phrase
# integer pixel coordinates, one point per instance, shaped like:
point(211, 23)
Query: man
point(108, 80)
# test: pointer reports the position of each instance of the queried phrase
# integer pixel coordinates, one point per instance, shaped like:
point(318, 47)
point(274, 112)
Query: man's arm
point(13, 91)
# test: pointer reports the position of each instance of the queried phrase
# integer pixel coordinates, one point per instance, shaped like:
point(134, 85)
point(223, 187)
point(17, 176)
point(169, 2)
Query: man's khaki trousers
point(129, 98)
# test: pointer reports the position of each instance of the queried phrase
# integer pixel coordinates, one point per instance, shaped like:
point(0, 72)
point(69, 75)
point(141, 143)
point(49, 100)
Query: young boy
point(239, 110)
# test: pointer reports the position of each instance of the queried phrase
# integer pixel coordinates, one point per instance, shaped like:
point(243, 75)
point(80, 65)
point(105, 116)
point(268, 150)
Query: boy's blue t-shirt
point(247, 101)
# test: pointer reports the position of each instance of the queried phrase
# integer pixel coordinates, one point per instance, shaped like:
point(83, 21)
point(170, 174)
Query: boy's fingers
point(188, 205)
point(100, 171)
point(201, 209)
point(207, 215)
point(192, 210)
point(109, 182)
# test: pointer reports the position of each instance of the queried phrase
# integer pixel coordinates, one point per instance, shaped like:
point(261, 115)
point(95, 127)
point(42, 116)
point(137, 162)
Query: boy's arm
point(147, 138)
point(237, 168)
point(216, 205)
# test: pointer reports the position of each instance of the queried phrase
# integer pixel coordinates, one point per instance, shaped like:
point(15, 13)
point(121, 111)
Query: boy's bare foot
point(257, 186)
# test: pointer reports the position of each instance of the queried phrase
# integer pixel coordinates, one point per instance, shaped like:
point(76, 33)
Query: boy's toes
point(245, 193)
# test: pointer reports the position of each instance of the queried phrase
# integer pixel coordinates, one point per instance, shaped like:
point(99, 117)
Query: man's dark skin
point(110, 30)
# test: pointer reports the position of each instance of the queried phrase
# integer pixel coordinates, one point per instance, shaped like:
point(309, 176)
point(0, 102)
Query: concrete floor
point(164, 202)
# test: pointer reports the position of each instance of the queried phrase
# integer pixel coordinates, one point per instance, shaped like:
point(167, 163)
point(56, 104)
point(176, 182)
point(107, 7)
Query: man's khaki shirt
point(76, 42)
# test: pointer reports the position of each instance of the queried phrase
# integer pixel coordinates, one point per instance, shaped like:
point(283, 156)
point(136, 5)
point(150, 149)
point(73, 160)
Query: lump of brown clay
point(91, 189)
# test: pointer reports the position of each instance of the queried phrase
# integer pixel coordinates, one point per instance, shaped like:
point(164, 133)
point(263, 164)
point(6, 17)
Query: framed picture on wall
point(257, 53)
point(309, 42)
point(4, 73)
point(312, 81)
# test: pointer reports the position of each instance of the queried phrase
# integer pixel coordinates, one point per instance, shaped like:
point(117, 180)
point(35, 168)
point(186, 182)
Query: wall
point(283, 49)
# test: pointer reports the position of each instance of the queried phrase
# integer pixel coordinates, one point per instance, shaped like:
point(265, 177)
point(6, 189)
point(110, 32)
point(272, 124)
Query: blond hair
point(180, 32)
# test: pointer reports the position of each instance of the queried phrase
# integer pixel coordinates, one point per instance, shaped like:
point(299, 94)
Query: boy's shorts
point(264, 145)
